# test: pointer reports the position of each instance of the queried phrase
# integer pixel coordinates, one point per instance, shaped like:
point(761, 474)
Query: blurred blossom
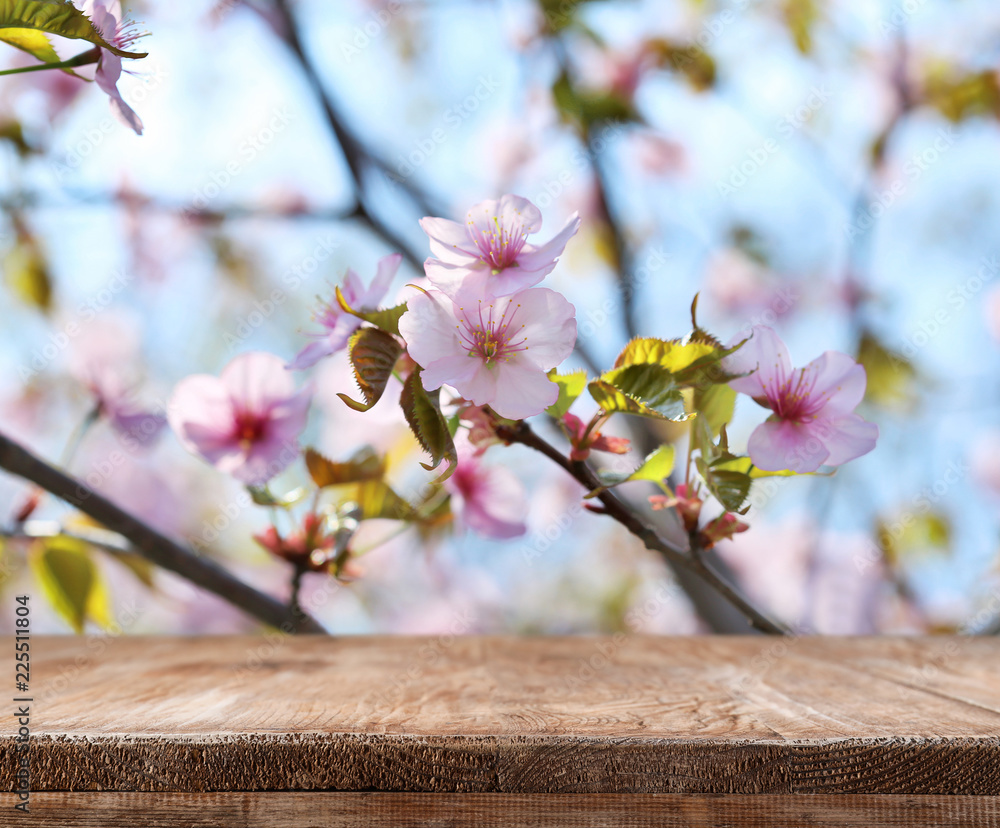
point(807, 579)
point(105, 360)
point(338, 324)
point(813, 421)
point(490, 254)
point(991, 307)
point(495, 353)
point(657, 154)
point(737, 282)
point(245, 422)
point(489, 500)
point(984, 458)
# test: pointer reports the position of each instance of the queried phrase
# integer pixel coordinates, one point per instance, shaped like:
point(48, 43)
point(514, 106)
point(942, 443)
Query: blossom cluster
point(481, 327)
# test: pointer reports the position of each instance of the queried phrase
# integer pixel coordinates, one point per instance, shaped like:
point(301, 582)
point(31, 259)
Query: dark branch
point(151, 544)
point(615, 508)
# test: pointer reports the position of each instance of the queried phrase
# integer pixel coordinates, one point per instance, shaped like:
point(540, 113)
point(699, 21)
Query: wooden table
point(476, 731)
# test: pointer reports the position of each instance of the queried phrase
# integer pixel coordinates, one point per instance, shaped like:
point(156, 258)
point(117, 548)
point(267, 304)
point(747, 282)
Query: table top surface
point(625, 714)
point(719, 688)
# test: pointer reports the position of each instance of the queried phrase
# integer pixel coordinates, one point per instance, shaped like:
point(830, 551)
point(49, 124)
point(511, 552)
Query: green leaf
point(801, 17)
point(909, 536)
point(373, 354)
point(387, 319)
point(892, 377)
point(27, 273)
point(744, 465)
point(140, 567)
point(262, 496)
point(693, 360)
point(423, 413)
point(655, 468)
point(59, 17)
point(378, 500)
point(730, 488)
point(70, 581)
point(715, 404)
point(365, 464)
point(33, 42)
point(689, 59)
point(570, 388)
point(650, 384)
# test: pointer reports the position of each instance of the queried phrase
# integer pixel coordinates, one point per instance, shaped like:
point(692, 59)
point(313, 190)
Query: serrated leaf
point(692, 361)
point(70, 581)
point(423, 414)
point(387, 319)
point(650, 384)
point(365, 464)
point(730, 488)
point(59, 17)
point(655, 468)
point(34, 42)
point(377, 499)
point(373, 354)
point(570, 388)
point(614, 401)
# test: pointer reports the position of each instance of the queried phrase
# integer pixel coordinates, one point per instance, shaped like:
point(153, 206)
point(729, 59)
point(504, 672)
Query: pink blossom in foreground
point(108, 19)
point(813, 421)
point(489, 500)
point(338, 325)
point(490, 254)
point(494, 352)
point(246, 421)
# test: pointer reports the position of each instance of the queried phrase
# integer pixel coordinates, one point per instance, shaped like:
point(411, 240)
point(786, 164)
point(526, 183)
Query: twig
point(615, 508)
point(360, 159)
point(151, 544)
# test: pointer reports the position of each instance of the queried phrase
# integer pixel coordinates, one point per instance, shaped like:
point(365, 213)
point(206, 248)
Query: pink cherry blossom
point(105, 360)
point(813, 421)
point(489, 500)
point(107, 17)
point(246, 421)
point(338, 325)
point(491, 253)
point(494, 352)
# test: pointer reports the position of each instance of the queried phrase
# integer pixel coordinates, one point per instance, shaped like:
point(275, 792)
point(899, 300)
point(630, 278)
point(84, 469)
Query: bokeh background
point(828, 168)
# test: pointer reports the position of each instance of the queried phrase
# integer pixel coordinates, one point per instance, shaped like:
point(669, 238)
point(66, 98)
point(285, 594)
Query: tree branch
point(151, 544)
point(615, 508)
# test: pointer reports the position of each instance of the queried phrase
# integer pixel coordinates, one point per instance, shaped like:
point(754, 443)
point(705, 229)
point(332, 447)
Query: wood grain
point(515, 715)
point(388, 810)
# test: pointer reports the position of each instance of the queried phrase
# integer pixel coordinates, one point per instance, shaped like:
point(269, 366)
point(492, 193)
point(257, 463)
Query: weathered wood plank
point(388, 810)
point(569, 715)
